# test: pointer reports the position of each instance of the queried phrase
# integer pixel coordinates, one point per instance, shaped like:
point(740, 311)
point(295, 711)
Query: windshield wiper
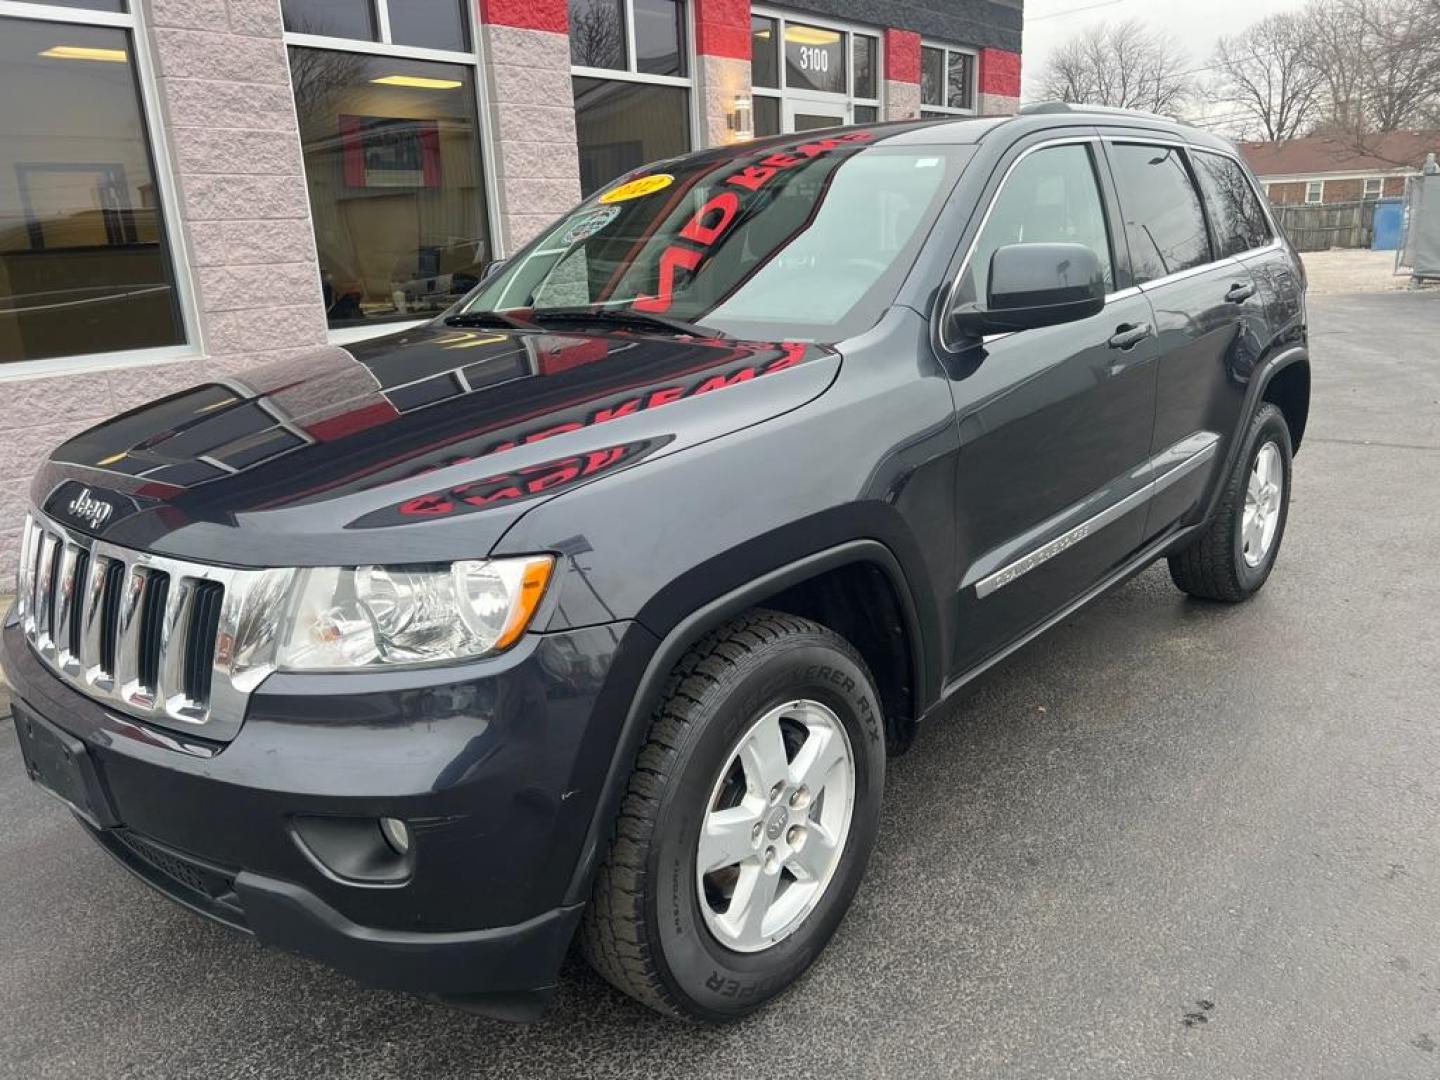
point(641, 320)
point(487, 318)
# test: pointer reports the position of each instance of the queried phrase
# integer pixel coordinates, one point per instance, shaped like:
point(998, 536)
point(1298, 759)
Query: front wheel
point(1233, 557)
point(747, 824)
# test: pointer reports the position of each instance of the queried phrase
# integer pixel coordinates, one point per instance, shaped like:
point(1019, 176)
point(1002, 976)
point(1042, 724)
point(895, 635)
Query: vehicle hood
point(423, 445)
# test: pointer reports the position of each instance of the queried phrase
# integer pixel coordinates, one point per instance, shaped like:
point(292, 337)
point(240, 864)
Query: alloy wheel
point(775, 826)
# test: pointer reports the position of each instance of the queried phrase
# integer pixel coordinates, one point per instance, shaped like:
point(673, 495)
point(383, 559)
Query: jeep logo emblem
point(94, 512)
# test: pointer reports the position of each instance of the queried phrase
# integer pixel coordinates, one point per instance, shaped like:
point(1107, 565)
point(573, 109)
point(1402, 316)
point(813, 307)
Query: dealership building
point(190, 187)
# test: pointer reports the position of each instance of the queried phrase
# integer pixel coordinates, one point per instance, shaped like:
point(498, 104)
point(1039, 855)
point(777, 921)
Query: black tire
point(643, 929)
point(1214, 567)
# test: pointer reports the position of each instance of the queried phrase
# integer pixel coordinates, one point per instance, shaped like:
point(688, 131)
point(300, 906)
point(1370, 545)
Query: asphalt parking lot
point(1169, 839)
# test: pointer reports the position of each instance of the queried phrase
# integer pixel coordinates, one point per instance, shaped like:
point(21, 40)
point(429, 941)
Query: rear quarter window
point(1235, 210)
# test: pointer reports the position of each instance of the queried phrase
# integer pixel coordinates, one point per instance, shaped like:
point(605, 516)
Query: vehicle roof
point(975, 130)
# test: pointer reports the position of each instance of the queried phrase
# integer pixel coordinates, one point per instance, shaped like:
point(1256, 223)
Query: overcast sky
point(1194, 24)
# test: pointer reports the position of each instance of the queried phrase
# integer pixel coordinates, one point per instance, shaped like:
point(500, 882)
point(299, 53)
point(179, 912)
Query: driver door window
point(1050, 197)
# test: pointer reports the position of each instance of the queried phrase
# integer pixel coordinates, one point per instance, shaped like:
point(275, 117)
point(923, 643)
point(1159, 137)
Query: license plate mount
point(59, 763)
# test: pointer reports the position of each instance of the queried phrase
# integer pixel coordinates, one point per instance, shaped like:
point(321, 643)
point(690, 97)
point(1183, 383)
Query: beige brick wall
point(902, 100)
point(719, 80)
point(533, 115)
point(998, 105)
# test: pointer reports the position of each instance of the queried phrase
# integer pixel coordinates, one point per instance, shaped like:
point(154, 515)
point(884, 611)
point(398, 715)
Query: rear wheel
point(1233, 557)
point(747, 823)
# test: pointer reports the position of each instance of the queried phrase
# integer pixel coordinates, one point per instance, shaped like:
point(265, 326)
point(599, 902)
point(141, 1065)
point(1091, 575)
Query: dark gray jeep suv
point(592, 609)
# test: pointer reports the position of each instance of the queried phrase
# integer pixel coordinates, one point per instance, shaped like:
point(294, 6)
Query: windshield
point(807, 240)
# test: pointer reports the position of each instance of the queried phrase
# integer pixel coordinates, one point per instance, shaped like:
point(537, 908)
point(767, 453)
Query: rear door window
point(1235, 210)
point(1163, 219)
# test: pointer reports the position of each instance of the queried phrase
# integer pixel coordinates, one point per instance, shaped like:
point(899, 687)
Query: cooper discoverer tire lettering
point(654, 926)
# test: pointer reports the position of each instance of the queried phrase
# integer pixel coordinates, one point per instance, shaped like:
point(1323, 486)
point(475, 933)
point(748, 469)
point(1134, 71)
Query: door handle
point(1239, 293)
point(1130, 335)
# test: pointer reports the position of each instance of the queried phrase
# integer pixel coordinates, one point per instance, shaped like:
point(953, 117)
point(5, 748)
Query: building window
point(85, 261)
point(1315, 191)
point(391, 139)
point(947, 81)
point(806, 74)
point(1374, 187)
point(631, 84)
point(427, 24)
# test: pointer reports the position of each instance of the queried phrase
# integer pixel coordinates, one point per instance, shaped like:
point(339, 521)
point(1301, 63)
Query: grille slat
point(200, 646)
point(72, 623)
point(153, 636)
point(110, 616)
point(152, 632)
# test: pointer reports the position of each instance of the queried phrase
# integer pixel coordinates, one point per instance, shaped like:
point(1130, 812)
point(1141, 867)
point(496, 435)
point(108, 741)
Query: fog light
point(396, 833)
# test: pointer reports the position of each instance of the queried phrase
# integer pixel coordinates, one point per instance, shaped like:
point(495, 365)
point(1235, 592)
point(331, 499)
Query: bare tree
point(1380, 60)
point(1266, 77)
point(1125, 65)
point(1404, 62)
point(595, 36)
point(1337, 40)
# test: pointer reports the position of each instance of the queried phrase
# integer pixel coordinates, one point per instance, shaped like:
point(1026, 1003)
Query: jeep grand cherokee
point(593, 608)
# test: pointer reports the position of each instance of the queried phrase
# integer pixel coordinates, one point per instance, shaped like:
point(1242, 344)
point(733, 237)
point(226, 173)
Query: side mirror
point(1035, 285)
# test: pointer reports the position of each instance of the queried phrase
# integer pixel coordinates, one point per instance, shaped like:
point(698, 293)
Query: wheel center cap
point(775, 823)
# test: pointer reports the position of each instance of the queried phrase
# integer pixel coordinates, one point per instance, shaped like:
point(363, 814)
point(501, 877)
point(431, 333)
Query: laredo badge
point(645, 185)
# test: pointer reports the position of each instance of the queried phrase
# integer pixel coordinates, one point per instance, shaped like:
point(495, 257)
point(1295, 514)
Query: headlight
point(366, 616)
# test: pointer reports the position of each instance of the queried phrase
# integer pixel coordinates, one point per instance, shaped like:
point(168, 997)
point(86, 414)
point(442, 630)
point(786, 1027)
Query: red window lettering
point(623, 409)
point(719, 382)
point(781, 160)
point(672, 259)
point(500, 495)
point(427, 505)
point(726, 204)
point(752, 177)
point(665, 397)
point(558, 429)
point(794, 353)
point(815, 149)
point(560, 476)
point(601, 459)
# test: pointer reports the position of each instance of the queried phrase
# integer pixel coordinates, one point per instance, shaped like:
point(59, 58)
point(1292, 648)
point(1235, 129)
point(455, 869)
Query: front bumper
point(496, 766)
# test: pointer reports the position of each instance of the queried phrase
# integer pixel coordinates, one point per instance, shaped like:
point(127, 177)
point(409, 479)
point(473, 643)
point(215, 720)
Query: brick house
point(1323, 170)
point(191, 187)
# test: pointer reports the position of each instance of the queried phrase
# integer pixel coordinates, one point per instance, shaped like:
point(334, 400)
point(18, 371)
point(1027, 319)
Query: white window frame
point(630, 74)
point(947, 49)
point(133, 23)
point(1318, 187)
point(1379, 191)
point(848, 100)
point(475, 61)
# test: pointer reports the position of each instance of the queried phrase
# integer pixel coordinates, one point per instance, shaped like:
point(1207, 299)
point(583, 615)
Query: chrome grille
point(150, 635)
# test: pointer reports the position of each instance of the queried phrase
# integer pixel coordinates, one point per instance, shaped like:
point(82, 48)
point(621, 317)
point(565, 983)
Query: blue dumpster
point(1389, 222)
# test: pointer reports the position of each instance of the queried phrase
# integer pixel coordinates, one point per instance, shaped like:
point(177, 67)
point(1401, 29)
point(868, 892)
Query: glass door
point(800, 114)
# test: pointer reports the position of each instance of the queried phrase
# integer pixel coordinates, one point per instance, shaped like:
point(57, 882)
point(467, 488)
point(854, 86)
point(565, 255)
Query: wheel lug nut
point(777, 791)
point(795, 836)
point(770, 859)
point(756, 831)
point(800, 797)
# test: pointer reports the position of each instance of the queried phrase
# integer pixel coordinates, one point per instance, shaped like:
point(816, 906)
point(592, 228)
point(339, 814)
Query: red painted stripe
point(722, 28)
point(902, 55)
point(551, 15)
point(1000, 72)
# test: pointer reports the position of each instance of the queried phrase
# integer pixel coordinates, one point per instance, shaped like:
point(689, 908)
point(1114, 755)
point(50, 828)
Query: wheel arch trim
point(679, 638)
point(1254, 396)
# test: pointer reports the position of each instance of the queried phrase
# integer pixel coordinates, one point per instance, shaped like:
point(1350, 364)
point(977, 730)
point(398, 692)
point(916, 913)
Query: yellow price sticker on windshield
point(646, 185)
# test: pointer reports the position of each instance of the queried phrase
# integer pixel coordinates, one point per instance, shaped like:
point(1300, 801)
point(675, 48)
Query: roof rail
point(1043, 108)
